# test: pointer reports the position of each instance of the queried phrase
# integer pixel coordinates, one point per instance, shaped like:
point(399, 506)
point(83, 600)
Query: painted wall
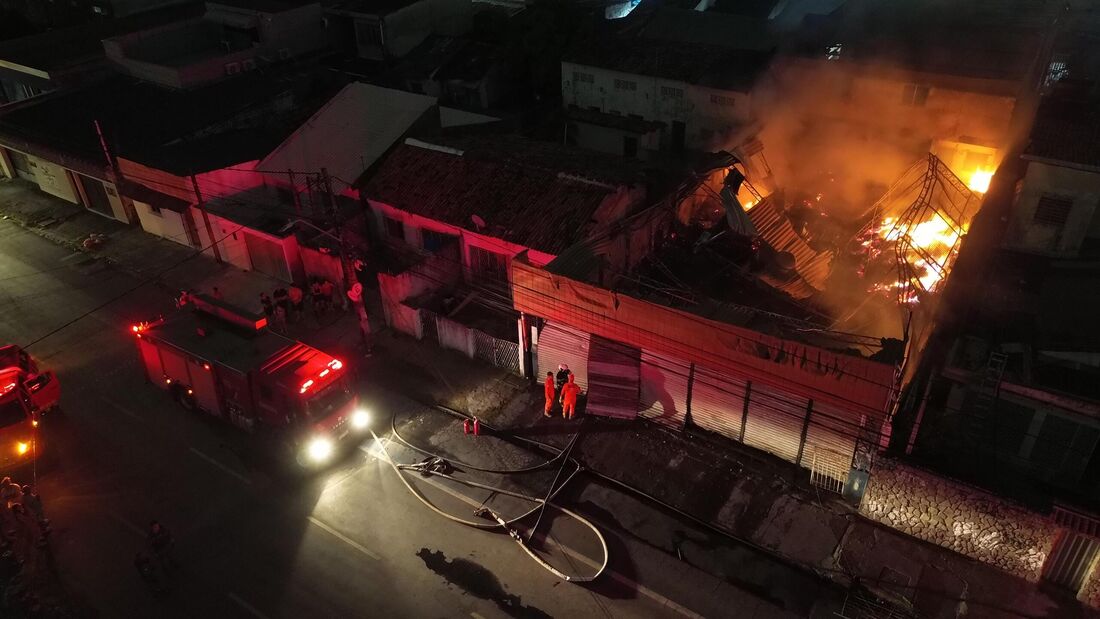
point(960, 518)
point(1083, 187)
point(165, 224)
point(54, 180)
point(608, 140)
point(232, 245)
point(705, 112)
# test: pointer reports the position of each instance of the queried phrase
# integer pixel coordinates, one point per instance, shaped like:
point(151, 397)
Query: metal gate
point(718, 402)
point(1070, 560)
point(830, 444)
point(500, 353)
point(267, 256)
point(664, 390)
point(560, 344)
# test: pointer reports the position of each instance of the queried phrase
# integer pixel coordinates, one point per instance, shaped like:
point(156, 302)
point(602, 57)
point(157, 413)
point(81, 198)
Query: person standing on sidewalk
point(549, 390)
point(562, 376)
point(295, 294)
point(327, 290)
point(269, 308)
point(569, 393)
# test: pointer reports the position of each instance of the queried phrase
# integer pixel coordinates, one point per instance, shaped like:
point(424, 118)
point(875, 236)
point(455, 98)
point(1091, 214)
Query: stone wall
point(1090, 591)
point(958, 517)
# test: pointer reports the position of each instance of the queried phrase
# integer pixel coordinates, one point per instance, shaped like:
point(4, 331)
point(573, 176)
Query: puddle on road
point(478, 582)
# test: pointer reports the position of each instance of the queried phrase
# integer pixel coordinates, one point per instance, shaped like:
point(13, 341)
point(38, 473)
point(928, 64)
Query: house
point(348, 135)
point(863, 92)
point(1056, 207)
point(231, 37)
point(71, 56)
point(464, 75)
point(390, 29)
point(701, 93)
point(87, 144)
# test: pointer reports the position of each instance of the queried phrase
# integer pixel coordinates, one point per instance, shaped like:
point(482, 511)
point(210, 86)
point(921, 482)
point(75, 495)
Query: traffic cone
point(466, 426)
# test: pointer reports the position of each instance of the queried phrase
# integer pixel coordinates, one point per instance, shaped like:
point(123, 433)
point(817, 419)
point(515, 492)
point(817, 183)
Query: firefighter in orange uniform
point(569, 393)
point(549, 391)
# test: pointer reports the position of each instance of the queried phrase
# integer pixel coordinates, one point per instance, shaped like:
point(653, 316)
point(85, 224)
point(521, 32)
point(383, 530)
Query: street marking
point(221, 466)
point(344, 538)
point(245, 605)
point(122, 409)
point(623, 580)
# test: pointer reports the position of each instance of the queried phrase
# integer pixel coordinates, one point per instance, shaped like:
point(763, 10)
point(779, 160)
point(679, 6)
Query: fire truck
point(25, 395)
point(221, 360)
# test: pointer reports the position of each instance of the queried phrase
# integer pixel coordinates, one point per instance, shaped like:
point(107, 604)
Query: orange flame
point(979, 180)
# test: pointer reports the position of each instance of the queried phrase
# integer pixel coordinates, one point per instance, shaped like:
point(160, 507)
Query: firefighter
point(562, 376)
point(550, 390)
point(569, 394)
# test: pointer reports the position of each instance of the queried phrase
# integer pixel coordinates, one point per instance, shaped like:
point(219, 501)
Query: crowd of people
point(25, 531)
point(286, 306)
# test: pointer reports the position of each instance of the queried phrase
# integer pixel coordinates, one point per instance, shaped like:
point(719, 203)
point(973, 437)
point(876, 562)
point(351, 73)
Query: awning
point(152, 197)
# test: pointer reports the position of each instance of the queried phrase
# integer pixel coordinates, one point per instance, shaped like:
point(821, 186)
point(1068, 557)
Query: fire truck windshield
point(11, 412)
point(328, 399)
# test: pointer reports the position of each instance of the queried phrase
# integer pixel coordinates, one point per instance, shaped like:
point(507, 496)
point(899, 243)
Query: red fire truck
point(25, 394)
point(223, 361)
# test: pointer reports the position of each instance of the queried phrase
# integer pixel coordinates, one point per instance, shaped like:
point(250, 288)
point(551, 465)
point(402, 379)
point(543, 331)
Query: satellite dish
point(478, 221)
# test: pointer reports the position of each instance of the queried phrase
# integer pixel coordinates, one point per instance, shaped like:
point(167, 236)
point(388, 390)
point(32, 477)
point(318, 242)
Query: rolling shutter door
point(560, 344)
point(830, 441)
point(717, 402)
point(775, 421)
point(613, 379)
point(663, 390)
point(267, 257)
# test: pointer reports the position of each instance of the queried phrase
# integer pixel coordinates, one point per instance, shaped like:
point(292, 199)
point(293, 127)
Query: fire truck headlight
point(360, 419)
point(320, 449)
point(22, 448)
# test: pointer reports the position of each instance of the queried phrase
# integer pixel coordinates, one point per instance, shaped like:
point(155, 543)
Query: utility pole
point(330, 200)
point(294, 190)
point(206, 219)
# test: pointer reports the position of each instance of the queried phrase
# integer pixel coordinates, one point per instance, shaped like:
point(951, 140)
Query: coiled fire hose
point(502, 523)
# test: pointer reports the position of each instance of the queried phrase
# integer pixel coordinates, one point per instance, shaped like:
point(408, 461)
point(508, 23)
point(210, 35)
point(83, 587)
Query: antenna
point(478, 221)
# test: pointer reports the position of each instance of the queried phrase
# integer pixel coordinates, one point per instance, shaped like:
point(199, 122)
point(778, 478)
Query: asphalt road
point(346, 542)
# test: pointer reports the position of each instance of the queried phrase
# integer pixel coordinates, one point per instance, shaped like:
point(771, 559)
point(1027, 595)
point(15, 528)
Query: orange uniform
point(569, 393)
point(548, 389)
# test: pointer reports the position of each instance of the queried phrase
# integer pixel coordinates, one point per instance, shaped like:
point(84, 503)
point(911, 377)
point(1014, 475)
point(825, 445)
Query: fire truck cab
point(24, 396)
point(223, 361)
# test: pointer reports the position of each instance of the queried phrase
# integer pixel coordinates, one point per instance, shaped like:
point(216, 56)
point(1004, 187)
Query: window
point(1053, 210)
point(368, 33)
point(626, 85)
point(583, 78)
point(722, 100)
point(394, 228)
point(630, 147)
point(672, 93)
point(488, 263)
point(914, 95)
point(434, 241)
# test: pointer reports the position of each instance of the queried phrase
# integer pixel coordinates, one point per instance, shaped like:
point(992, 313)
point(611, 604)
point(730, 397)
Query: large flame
point(979, 180)
point(927, 247)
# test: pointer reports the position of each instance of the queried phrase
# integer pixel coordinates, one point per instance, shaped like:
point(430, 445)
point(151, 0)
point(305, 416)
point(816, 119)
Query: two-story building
point(622, 87)
point(232, 37)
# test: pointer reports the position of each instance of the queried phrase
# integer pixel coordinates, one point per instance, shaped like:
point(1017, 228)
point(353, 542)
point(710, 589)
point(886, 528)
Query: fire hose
point(430, 467)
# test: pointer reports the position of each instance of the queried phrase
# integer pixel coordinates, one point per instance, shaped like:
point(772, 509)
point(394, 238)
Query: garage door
point(267, 256)
point(561, 344)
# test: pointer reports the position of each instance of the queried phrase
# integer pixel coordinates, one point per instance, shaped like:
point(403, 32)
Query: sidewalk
point(746, 494)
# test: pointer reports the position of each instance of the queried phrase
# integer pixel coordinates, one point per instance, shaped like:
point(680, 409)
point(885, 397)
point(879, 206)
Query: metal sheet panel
point(664, 390)
point(151, 358)
point(1070, 560)
point(560, 344)
point(717, 402)
point(174, 364)
point(775, 421)
point(830, 442)
point(613, 379)
point(202, 384)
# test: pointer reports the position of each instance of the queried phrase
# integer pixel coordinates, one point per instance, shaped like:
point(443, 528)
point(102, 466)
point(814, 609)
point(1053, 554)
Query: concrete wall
point(232, 245)
point(609, 140)
point(959, 518)
point(54, 180)
point(1083, 187)
point(705, 112)
point(165, 224)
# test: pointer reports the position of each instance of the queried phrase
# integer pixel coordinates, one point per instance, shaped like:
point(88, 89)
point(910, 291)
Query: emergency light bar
point(332, 366)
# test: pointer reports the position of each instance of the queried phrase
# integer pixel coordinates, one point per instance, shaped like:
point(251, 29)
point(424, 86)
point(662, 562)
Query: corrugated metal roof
point(812, 266)
point(350, 133)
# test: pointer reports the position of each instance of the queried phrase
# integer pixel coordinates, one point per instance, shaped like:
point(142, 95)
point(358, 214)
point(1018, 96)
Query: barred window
point(722, 100)
point(1053, 210)
point(625, 85)
point(672, 93)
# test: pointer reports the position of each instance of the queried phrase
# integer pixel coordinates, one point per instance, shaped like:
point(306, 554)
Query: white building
point(701, 93)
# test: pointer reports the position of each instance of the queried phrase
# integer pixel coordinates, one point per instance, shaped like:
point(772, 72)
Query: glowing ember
point(927, 248)
point(979, 180)
point(748, 204)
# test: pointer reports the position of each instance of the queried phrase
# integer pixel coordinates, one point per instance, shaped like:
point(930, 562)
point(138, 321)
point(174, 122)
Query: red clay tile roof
point(519, 194)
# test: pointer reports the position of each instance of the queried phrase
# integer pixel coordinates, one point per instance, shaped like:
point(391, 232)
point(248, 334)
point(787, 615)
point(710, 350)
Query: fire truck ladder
point(988, 391)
